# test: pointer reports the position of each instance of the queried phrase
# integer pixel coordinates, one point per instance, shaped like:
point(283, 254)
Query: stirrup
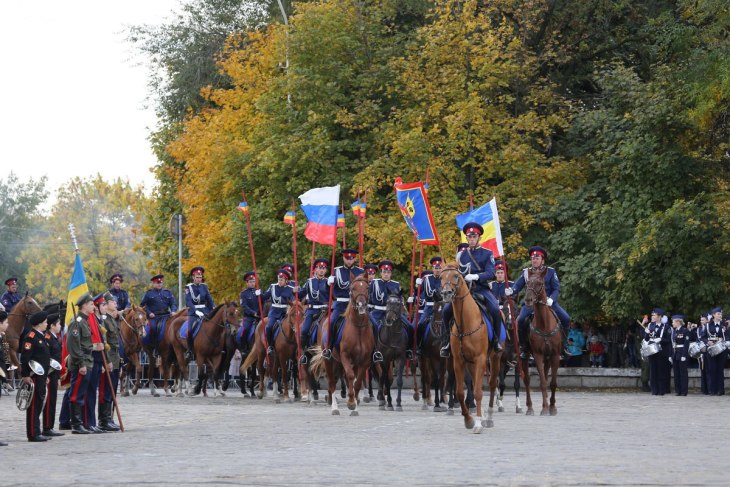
point(409, 354)
point(524, 355)
point(445, 351)
point(377, 356)
point(303, 359)
point(327, 354)
point(270, 350)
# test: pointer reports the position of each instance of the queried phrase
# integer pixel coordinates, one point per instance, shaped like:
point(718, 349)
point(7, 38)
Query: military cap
point(473, 227)
point(283, 273)
point(536, 250)
point(99, 299)
point(109, 297)
point(11, 280)
point(116, 277)
point(249, 275)
point(197, 271)
point(657, 311)
point(320, 263)
point(715, 310)
point(349, 252)
point(157, 278)
point(38, 318)
point(83, 299)
point(371, 268)
point(386, 264)
point(436, 260)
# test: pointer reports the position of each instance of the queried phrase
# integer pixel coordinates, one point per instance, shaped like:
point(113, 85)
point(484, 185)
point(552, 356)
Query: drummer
point(713, 335)
point(658, 332)
point(680, 343)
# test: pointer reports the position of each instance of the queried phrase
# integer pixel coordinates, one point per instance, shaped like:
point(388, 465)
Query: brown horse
point(132, 328)
point(163, 348)
point(17, 320)
point(354, 355)
point(545, 342)
point(256, 356)
point(208, 345)
point(509, 361)
point(285, 350)
point(433, 366)
point(469, 346)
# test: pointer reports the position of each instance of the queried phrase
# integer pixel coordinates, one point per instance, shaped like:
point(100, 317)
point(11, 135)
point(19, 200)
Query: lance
point(311, 261)
point(255, 272)
point(344, 230)
point(326, 331)
point(296, 292)
point(361, 225)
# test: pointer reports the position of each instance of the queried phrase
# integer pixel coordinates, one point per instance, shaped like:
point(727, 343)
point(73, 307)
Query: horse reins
point(460, 335)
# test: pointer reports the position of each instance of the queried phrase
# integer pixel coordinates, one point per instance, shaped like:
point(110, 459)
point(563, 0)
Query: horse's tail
point(316, 365)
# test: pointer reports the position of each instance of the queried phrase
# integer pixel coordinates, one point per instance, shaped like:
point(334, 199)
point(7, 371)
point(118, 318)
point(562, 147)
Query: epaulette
point(31, 334)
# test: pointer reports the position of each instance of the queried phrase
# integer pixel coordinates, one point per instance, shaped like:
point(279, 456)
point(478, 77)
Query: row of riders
point(375, 308)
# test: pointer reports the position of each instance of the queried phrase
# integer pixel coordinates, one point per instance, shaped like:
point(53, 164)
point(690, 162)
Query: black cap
point(38, 318)
point(52, 318)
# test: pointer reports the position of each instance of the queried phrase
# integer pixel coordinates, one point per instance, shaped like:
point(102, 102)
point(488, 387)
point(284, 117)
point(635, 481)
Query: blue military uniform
point(316, 292)
point(341, 277)
point(120, 295)
point(659, 365)
point(280, 297)
point(711, 334)
point(251, 311)
point(162, 304)
point(379, 290)
point(429, 294)
point(680, 357)
point(9, 299)
point(199, 303)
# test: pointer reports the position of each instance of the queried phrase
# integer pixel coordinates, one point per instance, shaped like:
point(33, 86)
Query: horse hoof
point(469, 423)
point(416, 396)
point(134, 391)
point(518, 410)
point(477, 429)
point(472, 410)
point(490, 423)
point(424, 407)
point(390, 408)
point(530, 412)
point(336, 412)
point(544, 412)
point(156, 394)
point(500, 409)
point(399, 408)
point(382, 407)
point(429, 403)
point(125, 394)
point(180, 394)
point(354, 413)
point(450, 412)
point(553, 412)
point(366, 399)
point(438, 409)
point(352, 406)
point(277, 401)
point(259, 395)
point(167, 394)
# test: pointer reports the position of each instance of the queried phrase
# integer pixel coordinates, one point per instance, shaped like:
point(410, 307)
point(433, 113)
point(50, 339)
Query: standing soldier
point(251, 311)
point(53, 331)
point(159, 303)
point(106, 402)
point(200, 304)
point(80, 361)
point(658, 332)
point(316, 292)
point(11, 297)
point(35, 348)
point(714, 333)
point(680, 342)
point(120, 295)
point(340, 284)
point(552, 289)
point(97, 340)
point(281, 294)
point(379, 291)
point(430, 285)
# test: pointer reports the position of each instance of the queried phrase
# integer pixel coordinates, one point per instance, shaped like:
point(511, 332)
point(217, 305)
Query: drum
point(716, 349)
point(649, 348)
point(696, 349)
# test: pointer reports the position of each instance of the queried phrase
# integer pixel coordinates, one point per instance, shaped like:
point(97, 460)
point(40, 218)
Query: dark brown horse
point(545, 342)
point(132, 329)
point(354, 355)
point(163, 349)
point(285, 351)
point(433, 366)
point(17, 320)
point(469, 346)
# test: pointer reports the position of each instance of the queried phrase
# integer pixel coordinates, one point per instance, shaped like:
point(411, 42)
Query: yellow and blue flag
point(76, 288)
point(413, 203)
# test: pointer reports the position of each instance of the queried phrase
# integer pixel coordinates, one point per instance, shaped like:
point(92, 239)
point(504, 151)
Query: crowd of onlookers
point(591, 345)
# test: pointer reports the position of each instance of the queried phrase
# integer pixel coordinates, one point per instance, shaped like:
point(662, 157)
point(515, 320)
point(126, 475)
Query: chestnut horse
point(132, 330)
point(285, 350)
point(433, 366)
point(469, 346)
point(546, 342)
point(509, 361)
point(354, 355)
point(163, 348)
point(17, 320)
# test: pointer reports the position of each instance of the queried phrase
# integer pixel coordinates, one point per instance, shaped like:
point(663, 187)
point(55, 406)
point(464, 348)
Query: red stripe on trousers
point(75, 393)
point(102, 394)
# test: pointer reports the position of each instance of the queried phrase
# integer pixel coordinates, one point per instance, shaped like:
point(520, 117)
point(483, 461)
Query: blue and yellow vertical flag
point(289, 218)
point(76, 288)
point(243, 206)
point(413, 204)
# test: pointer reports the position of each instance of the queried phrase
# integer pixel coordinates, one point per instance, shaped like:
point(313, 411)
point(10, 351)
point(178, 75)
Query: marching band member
point(53, 331)
point(35, 347)
point(657, 332)
point(714, 333)
point(680, 342)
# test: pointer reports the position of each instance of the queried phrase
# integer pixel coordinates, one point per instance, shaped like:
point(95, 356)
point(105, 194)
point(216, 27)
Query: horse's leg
point(343, 387)
point(329, 368)
point(262, 374)
point(151, 370)
point(349, 375)
point(554, 383)
point(518, 406)
point(494, 371)
point(526, 379)
point(425, 382)
point(460, 395)
point(388, 385)
point(477, 373)
point(416, 393)
point(401, 365)
point(503, 369)
point(540, 362)
point(451, 386)
point(138, 369)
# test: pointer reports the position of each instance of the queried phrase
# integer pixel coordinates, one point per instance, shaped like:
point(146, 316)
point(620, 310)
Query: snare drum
point(696, 349)
point(649, 348)
point(716, 349)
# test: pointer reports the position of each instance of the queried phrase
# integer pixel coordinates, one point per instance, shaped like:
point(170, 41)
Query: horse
point(545, 341)
point(433, 366)
point(510, 356)
point(208, 345)
point(392, 341)
point(132, 330)
point(469, 346)
point(17, 321)
point(354, 355)
point(163, 348)
point(285, 351)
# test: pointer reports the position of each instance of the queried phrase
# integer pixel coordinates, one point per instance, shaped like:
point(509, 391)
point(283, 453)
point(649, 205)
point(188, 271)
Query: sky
point(75, 93)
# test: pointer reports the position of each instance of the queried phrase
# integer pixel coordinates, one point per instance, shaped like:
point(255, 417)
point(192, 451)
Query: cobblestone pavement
point(596, 438)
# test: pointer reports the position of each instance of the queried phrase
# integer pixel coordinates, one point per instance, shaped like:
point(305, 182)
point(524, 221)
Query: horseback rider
point(159, 303)
point(430, 282)
point(316, 292)
point(371, 270)
point(200, 304)
point(340, 280)
point(379, 290)
point(120, 295)
point(11, 297)
point(250, 306)
point(500, 283)
point(552, 290)
point(281, 294)
point(476, 264)
point(289, 267)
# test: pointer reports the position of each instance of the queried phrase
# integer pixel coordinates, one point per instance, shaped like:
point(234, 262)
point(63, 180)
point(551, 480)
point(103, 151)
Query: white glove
point(331, 280)
point(257, 292)
point(665, 320)
point(410, 299)
point(670, 360)
point(656, 340)
point(471, 277)
point(199, 313)
point(508, 291)
point(419, 281)
point(549, 301)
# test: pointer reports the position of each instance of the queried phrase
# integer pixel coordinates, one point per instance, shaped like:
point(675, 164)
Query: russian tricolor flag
point(321, 207)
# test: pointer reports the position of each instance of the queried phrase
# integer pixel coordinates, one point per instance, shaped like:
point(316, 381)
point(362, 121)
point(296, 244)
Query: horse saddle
point(157, 326)
point(184, 329)
point(481, 302)
point(337, 330)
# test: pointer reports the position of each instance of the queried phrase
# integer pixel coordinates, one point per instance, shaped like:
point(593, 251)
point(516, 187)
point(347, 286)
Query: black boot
point(327, 352)
point(77, 425)
point(524, 345)
point(445, 351)
point(105, 418)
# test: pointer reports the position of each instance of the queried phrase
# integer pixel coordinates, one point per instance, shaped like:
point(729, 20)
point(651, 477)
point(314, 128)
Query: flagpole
point(255, 272)
point(297, 325)
point(326, 331)
point(361, 226)
point(413, 269)
point(344, 229)
point(311, 262)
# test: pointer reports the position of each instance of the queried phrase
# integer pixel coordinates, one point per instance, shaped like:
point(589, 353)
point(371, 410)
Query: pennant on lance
point(413, 203)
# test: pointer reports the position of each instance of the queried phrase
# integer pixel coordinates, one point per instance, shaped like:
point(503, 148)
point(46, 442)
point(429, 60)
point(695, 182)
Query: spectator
point(616, 341)
point(596, 349)
point(574, 346)
point(632, 359)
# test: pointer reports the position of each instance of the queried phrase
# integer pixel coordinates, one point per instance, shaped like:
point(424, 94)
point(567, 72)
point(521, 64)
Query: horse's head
point(231, 313)
point(295, 309)
point(393, 310)
point(535, 292)
point(451, 281)
point(136, 318)
point(359, 295)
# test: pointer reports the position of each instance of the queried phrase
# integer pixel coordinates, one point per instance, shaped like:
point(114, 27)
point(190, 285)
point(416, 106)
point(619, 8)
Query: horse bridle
point(358, 305)
point(537, 288)
point(454, 282)
point(139, 330)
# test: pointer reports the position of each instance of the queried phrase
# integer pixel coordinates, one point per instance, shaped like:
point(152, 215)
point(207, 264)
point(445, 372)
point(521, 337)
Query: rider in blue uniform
point(199, 303)
point(552, 289)
point(289, 267)
point(250, 306)
point(379, 290)
point(476, 264)
point(281, 294)
point(339, 282)
point(11, 297)
point(120, 295)
point(430, 285)
point(316, 292)
point(159, 303)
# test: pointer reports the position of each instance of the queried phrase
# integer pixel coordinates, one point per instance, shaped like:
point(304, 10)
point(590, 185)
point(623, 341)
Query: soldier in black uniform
point(680, 342)
point(35, 348)
point(53, 331)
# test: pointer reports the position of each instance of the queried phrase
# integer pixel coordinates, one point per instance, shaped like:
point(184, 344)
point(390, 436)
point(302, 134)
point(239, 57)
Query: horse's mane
point(451, 264)
point(217, 308)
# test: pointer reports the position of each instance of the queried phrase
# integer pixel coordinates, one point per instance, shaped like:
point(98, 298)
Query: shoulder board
point(550, 268)
point(395, 282)
point(31, 334)
point(47, 336)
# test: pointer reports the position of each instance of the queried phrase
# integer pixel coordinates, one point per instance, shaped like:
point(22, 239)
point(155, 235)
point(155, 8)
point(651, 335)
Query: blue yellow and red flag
point(488, 217)
point(243, 206)
point(290, 218)
point(413, 204)
point(356, 208)
point(340, 220)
